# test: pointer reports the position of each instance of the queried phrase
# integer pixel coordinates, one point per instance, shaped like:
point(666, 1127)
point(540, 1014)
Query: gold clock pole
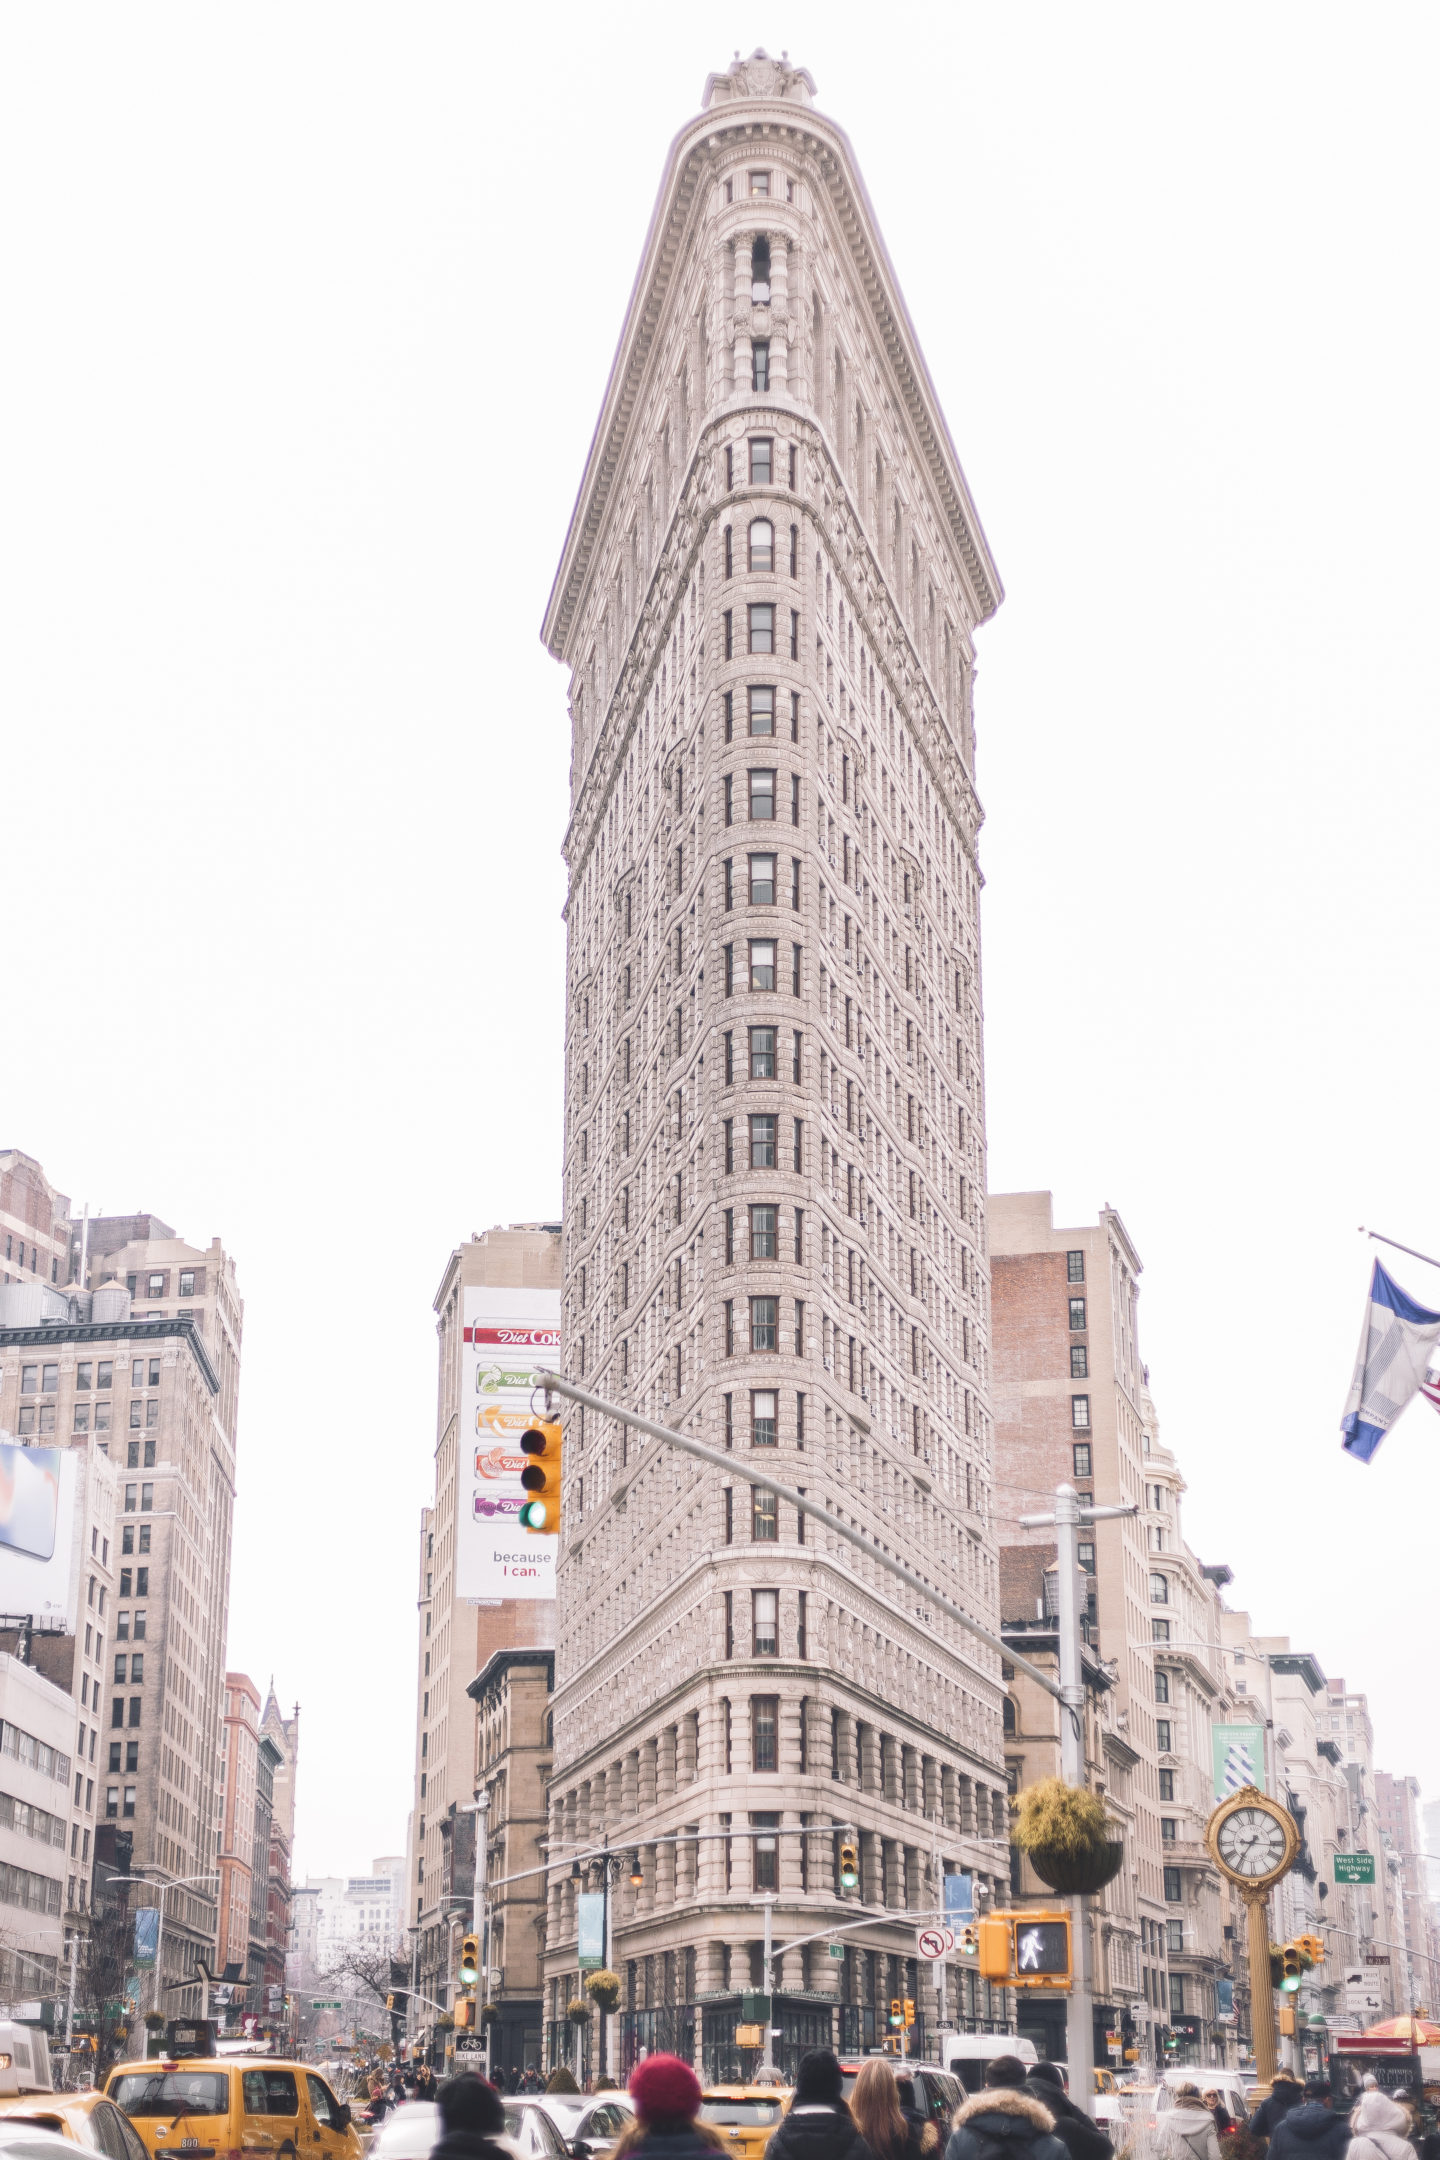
point(1263, 2036)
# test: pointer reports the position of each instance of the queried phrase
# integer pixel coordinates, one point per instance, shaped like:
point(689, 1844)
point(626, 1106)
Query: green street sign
point(837, 1950)
point(327, 2004)
point(1354, 1867)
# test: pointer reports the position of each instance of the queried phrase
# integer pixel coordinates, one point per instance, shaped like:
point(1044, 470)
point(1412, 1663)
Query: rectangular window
point(729, 955)
point(764, 1232)
point(762, 709)
point(1172, 1885)
point(795, 805)
point(1079, 1364)
point(112, 1800)
point(794, 695)
point(82, 1417)
point(729, 1311)
point(147, 1498)
point(135, 1408)
point(1162, 1741)
point(82, 1373)
point(765, 1623)
point(1159, 1630)
point(1080, 1453)
point(799, 1145)
point(1159, 1589)
point(763, 1322)
point(760, 449)
point(794, 633)
point(137, 1668)
point(729, 622)
point(762, 1053)
point(1175, 1936)
point(764, 1518)
point(187, 1282)
point(1167, 1791)
point(760, 364)
point(762, 795)
point(1086, 1554)
point(764, 1729)
point(729, 1237)
point(759, 183)
point(1075, 1267)
point(729, 1514)
point(762, 1141)
point(764, 1420)
point(729, 1624)
point(30, 1379)
point(105, 1373)
point(762, 963)
point(1177, 1995)
point(1080, 1412)
point(727, 1129)
point(794, 971)
point(762, 880)
point(800, 1352)
point(729, 1402)
point(1077, 1315)
point(1162, 1687)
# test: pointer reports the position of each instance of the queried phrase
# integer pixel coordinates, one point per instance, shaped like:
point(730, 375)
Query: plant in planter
point(1064, 1834)
point(445, 2021)
point(154, 2020)
point(490, 2013)
point(578, 2011)
point(603, 1988)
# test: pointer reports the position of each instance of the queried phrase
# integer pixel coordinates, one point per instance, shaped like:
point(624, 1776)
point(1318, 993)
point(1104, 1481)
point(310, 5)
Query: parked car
point(20, 2140)
point(926, 2088)
point(534, 2130)
point(589, 2124)
point(407, 2132)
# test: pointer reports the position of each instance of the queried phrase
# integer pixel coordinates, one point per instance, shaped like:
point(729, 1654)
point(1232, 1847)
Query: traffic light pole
point(1079, 2011)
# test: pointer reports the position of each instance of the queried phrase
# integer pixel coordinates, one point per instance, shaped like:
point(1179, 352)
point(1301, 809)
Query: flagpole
point(1398, 1246)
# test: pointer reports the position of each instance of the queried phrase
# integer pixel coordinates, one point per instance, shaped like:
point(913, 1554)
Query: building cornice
point(95, 1331)
point(691, 155)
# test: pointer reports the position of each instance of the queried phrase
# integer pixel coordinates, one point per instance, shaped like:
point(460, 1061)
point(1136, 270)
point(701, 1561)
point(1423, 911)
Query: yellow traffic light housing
point(968, 1941)
point(994, 1944)
point(849, 1867)
point(1311, 1947)
point(540, 1510)
point(464, 2014)
point(909, 2011)
point(897, 2014)
point(1292, 1968)
point(469, 1961)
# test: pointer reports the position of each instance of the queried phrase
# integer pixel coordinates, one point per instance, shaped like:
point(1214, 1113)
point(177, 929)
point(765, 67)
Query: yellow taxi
point(86, 2118)
point(745, 2115)
point(213, 2108)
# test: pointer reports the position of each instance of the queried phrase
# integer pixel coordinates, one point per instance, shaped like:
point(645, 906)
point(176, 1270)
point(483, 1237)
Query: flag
point(1395, 1346)
point(1430, 1388)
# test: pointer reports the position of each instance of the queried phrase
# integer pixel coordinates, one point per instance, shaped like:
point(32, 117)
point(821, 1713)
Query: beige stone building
point(34, 1223)
point(132, 1364)
point(512, 1698)
point(235, 1818)
point(774, 1127)
point(458, 1638)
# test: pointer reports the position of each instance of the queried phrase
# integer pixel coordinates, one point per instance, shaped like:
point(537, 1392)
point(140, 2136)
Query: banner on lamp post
point(590, 1919)
point(1239, 1752)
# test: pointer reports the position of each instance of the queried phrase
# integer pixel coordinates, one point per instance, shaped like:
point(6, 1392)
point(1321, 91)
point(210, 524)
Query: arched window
point(1008, 1713)
point(760, 271)
point(1159, 1589)
point(762, 544)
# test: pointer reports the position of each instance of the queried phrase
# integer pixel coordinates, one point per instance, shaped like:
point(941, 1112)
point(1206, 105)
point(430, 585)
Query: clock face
point(1251, 1843)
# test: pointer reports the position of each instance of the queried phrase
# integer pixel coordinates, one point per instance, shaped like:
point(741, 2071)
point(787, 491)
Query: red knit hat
point(664, 2089)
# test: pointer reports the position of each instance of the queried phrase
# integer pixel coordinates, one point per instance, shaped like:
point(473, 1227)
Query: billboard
point(1239, 1758)
point(37, 1531)
point(508, 1335)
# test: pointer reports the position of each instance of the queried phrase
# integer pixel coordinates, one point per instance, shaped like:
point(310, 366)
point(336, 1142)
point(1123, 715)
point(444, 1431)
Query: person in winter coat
point(1377, 2129)
point(1187, 2130)
point(472, 2122)
point(1286, 2092)
point(818, 2125)
point(1224, 2120)
point(1082, 2139)
point(1311, 2131)
point(1003, 2121)
point(666, 2093)
point(882, 2121)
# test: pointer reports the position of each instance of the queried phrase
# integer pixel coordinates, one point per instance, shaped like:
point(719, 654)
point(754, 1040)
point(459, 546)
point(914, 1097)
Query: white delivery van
point(965, 2055)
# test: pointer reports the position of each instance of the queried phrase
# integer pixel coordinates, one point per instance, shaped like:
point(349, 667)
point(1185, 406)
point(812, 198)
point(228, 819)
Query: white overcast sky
point(308, 314)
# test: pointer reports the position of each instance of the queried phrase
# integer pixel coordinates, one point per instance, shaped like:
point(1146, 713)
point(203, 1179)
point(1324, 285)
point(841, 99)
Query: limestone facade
point(774, 1128)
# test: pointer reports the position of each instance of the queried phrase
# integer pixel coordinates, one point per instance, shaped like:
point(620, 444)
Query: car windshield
point(566, 2107)
point(173, 2092)
point(740, 2113)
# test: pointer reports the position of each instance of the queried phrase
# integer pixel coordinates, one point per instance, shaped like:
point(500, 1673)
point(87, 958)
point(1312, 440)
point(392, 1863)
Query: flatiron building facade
point(774, 1215)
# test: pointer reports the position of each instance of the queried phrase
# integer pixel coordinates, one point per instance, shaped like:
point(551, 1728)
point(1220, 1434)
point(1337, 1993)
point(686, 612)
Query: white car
point(407, 2132)
point(23, 2141)
point(589, 2123)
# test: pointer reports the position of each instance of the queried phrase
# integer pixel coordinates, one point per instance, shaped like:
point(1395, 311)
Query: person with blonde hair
point(890, 2133)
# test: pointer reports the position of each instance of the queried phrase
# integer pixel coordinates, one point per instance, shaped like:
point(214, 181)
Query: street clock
point(1253, 1840)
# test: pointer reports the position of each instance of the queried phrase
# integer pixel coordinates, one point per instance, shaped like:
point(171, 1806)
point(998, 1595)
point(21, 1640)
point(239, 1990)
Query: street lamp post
point(178, 1882)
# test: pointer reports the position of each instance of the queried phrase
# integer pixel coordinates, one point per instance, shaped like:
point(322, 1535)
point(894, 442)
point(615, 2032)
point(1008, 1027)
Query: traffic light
point(1312, 1947)
point(968, 1942)
point(1287, 2021)
point(995, 1941)
point(541, 1479)
point(849, 1867)
point(465, 2014)
point(897, 2012)
point(1292, 1968)
point(469, 1961)
point(390, 2002)
point(909, 2011)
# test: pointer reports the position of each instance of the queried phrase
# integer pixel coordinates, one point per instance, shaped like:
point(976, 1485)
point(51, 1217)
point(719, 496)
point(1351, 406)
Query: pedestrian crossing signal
point(540, 1510)
point(849, 1867)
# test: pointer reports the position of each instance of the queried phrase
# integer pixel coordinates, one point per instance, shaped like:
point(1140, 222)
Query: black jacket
point(817, 2133)
point(1310, 2132)
point(1082, 2139)
point(1004, 2123)
point(1272, 2112)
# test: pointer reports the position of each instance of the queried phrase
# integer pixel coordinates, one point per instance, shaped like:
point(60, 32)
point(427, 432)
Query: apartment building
point(37, 1825)
point(34, 1223)
point(512, 1698)
point(284, 1736)
point(235, 1802)
point(774, 1124)
point(458, 1634)
point(1398, 1806)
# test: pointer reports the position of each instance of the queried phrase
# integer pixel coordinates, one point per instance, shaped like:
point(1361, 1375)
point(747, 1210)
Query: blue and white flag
point(1395, 1349)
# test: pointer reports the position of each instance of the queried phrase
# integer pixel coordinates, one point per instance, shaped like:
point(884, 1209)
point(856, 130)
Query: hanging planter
point(578, 2011)
point(603, 1988)
point(490, 2014)
point(1063, 1833)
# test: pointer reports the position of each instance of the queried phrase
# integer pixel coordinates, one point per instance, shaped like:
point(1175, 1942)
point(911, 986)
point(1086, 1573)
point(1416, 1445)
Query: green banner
point(1239, 1753)
point(1354, 1867)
